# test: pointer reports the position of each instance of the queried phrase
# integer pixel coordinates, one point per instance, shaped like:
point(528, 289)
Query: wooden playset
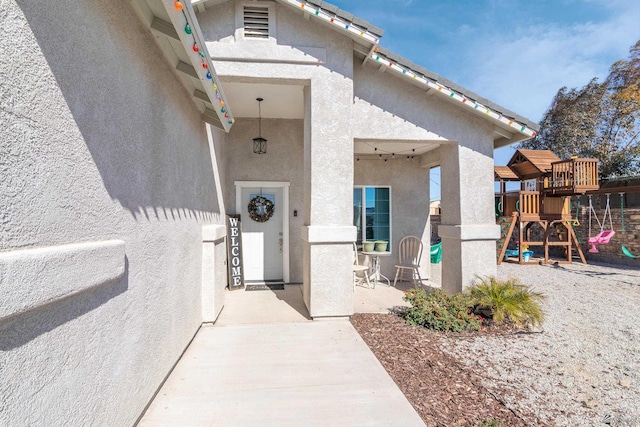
point(539, 214)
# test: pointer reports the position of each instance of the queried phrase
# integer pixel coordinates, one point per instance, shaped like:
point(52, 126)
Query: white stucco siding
point(409, 203)
point(308, 54)
point(218, 23)
point(386, 107)
point(329, 102)
point(472, 188)
point(99, 141)
point(283, 162)
point(297, 40)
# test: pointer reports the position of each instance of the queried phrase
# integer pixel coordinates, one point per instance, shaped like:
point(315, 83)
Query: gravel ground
point(583, 367)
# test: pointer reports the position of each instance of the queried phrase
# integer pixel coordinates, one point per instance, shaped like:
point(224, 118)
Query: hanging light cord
point(259, 119)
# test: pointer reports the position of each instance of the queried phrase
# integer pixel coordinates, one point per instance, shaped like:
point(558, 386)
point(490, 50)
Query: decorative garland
point(260, 209)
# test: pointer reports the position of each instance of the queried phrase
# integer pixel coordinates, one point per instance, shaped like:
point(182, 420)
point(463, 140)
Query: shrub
point(441, 312)
point(508, 300)
point(490, 422)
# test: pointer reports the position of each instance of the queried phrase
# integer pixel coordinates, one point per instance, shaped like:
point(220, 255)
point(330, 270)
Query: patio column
point(468, 228)
point(328, 233)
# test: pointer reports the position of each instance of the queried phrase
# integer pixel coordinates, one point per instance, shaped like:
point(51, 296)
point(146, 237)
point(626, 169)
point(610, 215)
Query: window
point(372, 213)
point(256, 22)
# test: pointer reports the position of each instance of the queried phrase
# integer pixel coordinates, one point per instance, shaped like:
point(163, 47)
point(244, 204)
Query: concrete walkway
point(265, 363)
point(280, 374)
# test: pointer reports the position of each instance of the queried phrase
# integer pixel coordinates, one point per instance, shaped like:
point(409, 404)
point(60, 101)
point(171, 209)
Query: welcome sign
point(234, 252)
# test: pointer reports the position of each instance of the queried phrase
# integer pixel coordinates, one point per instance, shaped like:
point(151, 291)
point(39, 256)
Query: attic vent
point(256, 22)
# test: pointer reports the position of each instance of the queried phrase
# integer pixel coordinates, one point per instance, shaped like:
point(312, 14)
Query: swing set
point(539, 216)
point(605, 235)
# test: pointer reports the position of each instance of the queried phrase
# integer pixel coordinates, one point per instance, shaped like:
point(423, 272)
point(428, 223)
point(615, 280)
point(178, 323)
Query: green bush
point(490, 422)
point(508, 300)
point(441, 312)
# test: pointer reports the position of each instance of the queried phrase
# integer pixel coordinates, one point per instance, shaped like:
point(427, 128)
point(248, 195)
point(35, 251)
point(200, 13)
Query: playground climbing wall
point(506, 224)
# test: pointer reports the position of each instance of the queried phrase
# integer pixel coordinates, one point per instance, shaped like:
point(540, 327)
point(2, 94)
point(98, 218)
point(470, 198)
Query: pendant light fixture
point(259, 143)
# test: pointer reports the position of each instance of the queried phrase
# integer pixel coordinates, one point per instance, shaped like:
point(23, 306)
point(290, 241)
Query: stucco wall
point(387, 107)
point(99, 142)
point(284, 161)
point(321, 60)
point(344, 101)
point(409, 203)
point(330, 84)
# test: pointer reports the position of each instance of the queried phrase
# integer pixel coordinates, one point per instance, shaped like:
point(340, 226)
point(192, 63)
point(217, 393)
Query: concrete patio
point(265, 363)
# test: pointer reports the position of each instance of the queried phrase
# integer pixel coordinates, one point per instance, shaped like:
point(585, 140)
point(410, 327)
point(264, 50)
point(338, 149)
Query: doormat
point(264, 287)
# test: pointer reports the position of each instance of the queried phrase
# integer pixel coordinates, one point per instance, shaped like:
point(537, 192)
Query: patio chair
point(360, 272)
point(409, 254)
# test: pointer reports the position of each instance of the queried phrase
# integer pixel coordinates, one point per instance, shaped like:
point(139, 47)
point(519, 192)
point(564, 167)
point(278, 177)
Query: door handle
point(280, 241)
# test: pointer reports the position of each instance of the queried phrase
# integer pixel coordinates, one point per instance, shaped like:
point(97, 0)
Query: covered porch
point(371, 185)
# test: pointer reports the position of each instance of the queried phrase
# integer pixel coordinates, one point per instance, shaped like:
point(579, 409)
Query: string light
point(385, 156)
point(329, 17)
point(201, 52)
point(432, 84)
point(350, 27)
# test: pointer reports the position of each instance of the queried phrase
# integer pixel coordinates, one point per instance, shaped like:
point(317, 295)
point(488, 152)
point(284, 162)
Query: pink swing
point(604, 236)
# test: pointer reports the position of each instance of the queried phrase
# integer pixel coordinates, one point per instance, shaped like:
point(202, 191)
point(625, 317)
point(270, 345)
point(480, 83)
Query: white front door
point(262, 242)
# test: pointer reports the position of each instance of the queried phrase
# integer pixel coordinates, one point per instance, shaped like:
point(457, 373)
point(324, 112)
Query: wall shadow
point(142, 129)
point(292, 296)
point(19, 330)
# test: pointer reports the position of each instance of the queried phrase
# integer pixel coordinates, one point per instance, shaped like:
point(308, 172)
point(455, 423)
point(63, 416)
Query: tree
point(600, 120)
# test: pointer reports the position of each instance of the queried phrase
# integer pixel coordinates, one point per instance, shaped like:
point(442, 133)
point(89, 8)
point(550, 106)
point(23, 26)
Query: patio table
point(375, 258)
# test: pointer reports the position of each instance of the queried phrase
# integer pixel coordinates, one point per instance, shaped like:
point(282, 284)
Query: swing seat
point(628, 253)
point(601, 238)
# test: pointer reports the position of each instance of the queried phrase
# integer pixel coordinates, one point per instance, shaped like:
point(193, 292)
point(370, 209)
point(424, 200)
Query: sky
point(517, 53)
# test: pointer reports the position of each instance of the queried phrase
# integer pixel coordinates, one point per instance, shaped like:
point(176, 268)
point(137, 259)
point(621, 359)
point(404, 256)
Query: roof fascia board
point(339, 23)
point(452, 95)
point(201, 64)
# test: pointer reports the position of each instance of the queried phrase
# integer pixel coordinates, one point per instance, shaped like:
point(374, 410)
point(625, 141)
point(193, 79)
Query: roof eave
point(515, 128)
point(359, 30)
point(208, 91)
